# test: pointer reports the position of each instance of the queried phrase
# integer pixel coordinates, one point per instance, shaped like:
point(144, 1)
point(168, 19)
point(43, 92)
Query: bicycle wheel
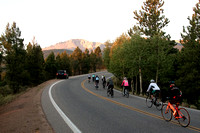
point(149, 101)
point(183, 117)
point(112, 93)
point(159, 104)
point(123, 94)
point(108, 92)
point(126, 93)
point(166, 112)
point(96, 86)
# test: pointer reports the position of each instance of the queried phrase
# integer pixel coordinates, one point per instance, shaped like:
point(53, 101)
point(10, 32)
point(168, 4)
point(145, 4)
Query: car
point(62, 74)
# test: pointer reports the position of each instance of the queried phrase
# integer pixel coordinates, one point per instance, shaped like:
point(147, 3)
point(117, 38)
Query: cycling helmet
point(172, 84)
point(125, 78)
point(152, 81)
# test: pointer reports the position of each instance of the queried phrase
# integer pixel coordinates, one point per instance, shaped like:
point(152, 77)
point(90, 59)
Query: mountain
point(55, 51)
point(74, 43)
point(179, 46)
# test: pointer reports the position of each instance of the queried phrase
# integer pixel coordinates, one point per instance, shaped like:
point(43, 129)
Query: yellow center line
point(134, 109)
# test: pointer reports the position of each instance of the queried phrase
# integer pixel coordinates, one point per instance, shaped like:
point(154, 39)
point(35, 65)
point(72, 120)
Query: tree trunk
point(140, 76)
point(132, 85)
point(123, 69)
point(136, 86)
point(157, 75)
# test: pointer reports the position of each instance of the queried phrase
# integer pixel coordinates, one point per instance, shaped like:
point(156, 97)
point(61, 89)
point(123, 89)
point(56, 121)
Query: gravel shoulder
point(25, 114)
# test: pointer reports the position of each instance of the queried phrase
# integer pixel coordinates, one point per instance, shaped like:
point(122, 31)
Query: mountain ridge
point(72, 44)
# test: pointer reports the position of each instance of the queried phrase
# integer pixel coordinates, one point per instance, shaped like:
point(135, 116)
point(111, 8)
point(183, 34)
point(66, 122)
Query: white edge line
point(65, 118)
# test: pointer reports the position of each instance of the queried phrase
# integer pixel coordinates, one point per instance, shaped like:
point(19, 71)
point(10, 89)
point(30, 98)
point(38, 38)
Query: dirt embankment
point(24, 114)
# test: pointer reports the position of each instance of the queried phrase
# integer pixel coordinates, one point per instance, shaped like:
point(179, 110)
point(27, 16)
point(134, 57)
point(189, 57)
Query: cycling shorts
point(155, 92)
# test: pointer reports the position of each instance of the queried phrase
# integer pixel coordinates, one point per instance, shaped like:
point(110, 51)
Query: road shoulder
point(25, 113)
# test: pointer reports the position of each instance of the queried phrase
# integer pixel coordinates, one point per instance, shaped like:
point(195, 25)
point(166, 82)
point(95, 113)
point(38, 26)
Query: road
point(74, 105)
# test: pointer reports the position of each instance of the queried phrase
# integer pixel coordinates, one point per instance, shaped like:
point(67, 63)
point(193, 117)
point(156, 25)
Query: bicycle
point(110, 91)
point(156, 100)
point(93, 79)
point(96, 85)
point(180, 114)
point(125, 92)
point(104, 85)
point(88, 80)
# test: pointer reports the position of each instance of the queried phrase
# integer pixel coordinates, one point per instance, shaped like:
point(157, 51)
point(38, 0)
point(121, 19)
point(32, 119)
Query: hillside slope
point(55, 51)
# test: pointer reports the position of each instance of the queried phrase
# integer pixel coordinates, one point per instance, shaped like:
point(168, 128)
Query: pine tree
point(150, 19)
point(35, 63)
point(15, 56)
point(151, 22)
point(65, 62)
point(106, 54)
point(50, 66)
point(93, 61)
point(76, 60)
point(189, 72)
point(98, 54)
point(86, 61)
point(1, 59)
point(58, 62)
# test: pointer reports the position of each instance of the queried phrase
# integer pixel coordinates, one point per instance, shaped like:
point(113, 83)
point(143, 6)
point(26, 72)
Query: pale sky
point(53, 21)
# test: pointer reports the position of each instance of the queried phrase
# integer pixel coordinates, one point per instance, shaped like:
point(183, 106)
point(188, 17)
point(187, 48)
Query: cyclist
point(96, 81)
point(93, 77)
point(89, 77)
point(153, 89)
point(104, 82)
point(110, 86)
point(102, 77)
point(125, 85)
point(175, 95)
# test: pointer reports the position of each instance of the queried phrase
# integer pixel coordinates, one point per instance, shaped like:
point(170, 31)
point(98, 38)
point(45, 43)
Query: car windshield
point(61, 71)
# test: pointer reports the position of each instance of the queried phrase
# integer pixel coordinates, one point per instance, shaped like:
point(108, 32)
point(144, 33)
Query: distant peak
point(74, 43)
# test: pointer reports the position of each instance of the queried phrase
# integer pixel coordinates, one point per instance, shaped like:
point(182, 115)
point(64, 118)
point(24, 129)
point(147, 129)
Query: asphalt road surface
point(74, 105)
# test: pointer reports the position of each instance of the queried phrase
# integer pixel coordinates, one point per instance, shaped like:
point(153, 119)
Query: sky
point(54, 21)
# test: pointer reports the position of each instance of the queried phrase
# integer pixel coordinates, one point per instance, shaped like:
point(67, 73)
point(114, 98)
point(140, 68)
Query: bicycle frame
point(152, 99)
point(125, 92)
point(180, 114)
point(170, 106)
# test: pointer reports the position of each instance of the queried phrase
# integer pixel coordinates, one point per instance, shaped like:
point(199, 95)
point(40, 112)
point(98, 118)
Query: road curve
point(74, 105)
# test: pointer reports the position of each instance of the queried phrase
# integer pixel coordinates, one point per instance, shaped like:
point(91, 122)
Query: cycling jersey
point(125, 83)
point(97, 79)
point(110, 82)
point(175, 95)
point(153, 86)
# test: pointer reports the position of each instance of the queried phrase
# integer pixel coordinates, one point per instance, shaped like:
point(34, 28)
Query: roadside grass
point(7, 99)
point(7, 95)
